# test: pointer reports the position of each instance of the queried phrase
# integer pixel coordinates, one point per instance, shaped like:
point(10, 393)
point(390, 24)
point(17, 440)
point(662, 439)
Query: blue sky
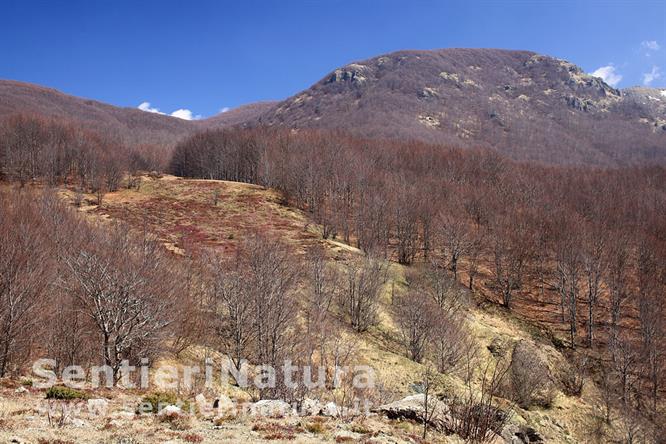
point(202, 56)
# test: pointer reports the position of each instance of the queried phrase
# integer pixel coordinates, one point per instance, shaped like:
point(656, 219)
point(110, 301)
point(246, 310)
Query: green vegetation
point(64, 393)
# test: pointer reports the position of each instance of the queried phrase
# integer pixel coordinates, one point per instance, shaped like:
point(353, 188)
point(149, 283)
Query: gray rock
point(515, 434)
point(270, 408)
point(412, 408)
point(331, 409)
point(311, 407)
point(170, 410)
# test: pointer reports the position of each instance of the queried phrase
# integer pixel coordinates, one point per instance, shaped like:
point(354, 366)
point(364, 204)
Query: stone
point(21, 390)
point(498, 347)
point(170, 410)
point(311, 407)
point(412, 408)
point(270, 408)
point(331, 409)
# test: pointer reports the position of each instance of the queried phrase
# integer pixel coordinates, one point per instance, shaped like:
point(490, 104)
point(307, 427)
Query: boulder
point(515, 434)
point(331, 409)
point(170, 410)
point(270, 408)
point(311, 407)
point(412, 408)
point(21, 390)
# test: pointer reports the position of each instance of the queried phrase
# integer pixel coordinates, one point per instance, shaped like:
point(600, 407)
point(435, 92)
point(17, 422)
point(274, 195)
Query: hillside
point(238, 116)
point(159, 205)
point(529, 106)
point(129, 125)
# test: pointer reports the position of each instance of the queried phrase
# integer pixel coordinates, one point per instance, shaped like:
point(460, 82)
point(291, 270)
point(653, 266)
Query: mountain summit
point(526, 105)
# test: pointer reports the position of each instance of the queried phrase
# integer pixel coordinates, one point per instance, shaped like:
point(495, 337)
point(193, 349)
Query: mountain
point(526, 105)
point(130, 125)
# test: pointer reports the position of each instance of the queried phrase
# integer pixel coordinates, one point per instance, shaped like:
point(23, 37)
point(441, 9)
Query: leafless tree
point(359, 297)
point(416, 316)
point(24, 277)
point(126, 287)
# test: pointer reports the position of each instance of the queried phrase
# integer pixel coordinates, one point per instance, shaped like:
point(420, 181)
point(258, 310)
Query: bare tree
point(126, 287)
point(24, 277)
point(234, 308)
point(593, 267)
point(416, 316)
point(430, 402)
point(455, 238)
point(359, 298)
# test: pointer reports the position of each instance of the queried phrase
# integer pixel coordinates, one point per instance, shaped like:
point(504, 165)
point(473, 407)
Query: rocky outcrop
point(271, 408)
point(413, 408)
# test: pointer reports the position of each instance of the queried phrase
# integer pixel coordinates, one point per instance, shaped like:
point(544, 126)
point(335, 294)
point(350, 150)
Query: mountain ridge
point(520, 103)
point(499, 99)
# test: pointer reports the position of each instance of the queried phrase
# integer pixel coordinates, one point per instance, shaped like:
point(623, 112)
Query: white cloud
point(651, 76)
point(608, 74)
point(185, 114)
point(225, 109)
point(145, 106)
point(181, 113)
point(650, 45)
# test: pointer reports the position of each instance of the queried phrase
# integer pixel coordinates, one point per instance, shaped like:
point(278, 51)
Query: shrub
point(192, 437)
point(64, 393)
point(316, 427)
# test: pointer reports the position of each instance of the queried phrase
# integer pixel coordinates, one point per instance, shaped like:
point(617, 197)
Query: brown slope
point(238, 116)
point(529, 106)
point(130, 125)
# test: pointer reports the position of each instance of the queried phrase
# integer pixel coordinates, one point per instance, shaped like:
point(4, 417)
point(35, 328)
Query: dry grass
point(184, 213)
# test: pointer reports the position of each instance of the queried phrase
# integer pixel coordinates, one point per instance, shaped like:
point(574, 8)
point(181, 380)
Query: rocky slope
point(527, 105)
